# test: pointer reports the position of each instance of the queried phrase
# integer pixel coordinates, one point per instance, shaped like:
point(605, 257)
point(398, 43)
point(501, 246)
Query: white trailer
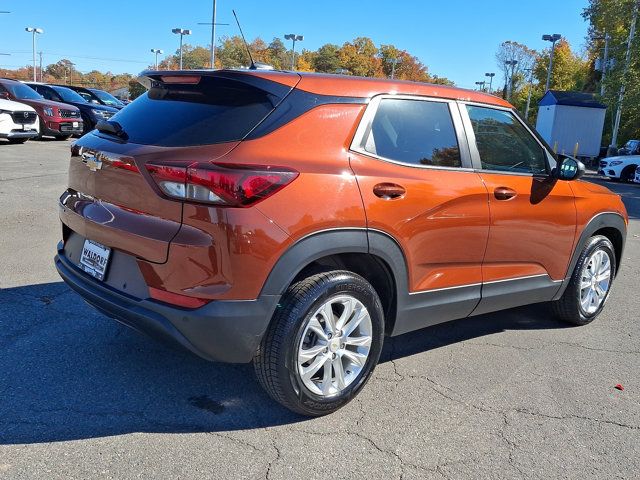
point(569, 118)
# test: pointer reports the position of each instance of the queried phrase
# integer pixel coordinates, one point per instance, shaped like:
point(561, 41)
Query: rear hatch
point(185, 117)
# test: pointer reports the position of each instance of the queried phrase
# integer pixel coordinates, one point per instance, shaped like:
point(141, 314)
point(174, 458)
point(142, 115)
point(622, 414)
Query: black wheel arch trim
point(598, 222)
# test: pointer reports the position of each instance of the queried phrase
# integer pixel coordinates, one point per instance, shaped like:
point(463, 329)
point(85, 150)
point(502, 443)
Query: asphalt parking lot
point(508, 395)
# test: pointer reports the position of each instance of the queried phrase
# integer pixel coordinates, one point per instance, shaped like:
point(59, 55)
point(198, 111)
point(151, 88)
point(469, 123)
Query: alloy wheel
point(595, 281)
point(335, 345)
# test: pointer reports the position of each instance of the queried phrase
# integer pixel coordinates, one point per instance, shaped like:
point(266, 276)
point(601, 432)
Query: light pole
point(182, 32)
point(553, 39)
point(394, 61)
point(157, 51)
point(295, 38)
point(512, 64)
point(481, 85)
point(33, 31)
point(490, 75)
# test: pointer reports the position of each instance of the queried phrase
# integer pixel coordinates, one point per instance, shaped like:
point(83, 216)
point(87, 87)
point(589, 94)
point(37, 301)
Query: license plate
point(75, 124)
point(94, 259)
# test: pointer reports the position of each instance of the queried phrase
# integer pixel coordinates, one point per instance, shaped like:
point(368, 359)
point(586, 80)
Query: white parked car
point(637, 177)
point(18, 122)
point(621, 168)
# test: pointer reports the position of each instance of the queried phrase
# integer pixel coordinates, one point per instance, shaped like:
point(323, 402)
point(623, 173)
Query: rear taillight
point(220, 183)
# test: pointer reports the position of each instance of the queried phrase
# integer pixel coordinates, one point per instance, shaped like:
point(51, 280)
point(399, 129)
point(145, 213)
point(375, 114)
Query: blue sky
point(454, 38)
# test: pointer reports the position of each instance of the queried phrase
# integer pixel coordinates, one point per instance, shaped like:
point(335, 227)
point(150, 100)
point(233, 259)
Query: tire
point(62, 137)
point(628, 173)
point(87, 124)
point(569, 307)
point(293, 334)
point(16, 141)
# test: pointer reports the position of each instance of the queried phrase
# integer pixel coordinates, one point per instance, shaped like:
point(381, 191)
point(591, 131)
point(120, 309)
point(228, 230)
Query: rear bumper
point(225, 331)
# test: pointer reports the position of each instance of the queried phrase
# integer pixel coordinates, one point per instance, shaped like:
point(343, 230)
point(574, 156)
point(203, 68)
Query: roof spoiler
point(277, 83)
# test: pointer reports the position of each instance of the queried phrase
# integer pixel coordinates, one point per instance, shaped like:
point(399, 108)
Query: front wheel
point(590, 283)
point(18, 140)
point(323, 343)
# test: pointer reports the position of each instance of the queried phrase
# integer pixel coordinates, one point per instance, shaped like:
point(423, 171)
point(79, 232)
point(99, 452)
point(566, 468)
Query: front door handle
point(389, 191)
point(504, 193)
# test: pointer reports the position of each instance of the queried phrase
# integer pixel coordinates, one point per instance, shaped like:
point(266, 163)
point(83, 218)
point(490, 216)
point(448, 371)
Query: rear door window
point(215, 110)
point(504, 144)
point(416, 132)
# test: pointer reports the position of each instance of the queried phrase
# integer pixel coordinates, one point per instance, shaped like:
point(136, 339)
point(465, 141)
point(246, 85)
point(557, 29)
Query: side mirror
point(569, 168)
point(4, 95)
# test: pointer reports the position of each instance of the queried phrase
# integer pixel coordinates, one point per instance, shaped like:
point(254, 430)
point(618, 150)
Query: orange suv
point(296, 220)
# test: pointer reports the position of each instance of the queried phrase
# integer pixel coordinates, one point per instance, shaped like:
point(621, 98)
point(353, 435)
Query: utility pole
point(526, 111)
point(632, 33)
point(213, 34)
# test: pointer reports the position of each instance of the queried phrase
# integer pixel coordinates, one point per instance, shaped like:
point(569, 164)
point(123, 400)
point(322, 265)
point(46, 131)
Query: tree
point(613, 17)
point(569, 70)
point(327, 59)
point(192, 58)
point(62, 70)
point(524, 56)
point(360, 58)
point(232, 53)
point(279, 57)
point(135, 89)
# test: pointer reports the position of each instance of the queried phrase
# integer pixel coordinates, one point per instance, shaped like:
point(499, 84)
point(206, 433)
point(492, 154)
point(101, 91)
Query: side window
point(416, 132)
point(504, 143)
point(45, 92)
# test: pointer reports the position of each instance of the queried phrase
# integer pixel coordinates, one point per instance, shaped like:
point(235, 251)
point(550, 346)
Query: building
point(569, 118)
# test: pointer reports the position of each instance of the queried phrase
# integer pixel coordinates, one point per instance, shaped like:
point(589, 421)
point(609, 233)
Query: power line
point(64, 55)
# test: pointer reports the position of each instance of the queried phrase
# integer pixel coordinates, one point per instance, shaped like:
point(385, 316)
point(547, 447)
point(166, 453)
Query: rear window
point(216, 110)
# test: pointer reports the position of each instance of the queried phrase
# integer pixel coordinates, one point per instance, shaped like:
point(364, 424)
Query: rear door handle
point(504, 193)
point(389, 191)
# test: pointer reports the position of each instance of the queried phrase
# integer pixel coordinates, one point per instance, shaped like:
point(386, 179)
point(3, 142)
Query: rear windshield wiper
point(112, 128)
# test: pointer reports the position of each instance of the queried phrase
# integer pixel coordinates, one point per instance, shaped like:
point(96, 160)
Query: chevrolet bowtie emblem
point(91, 161)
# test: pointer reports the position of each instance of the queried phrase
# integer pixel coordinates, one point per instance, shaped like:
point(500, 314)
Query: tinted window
point(106, 97)
point(215, 110)
point(504, 143)
point(414, 131)
point(68, 95)
point(20, 90)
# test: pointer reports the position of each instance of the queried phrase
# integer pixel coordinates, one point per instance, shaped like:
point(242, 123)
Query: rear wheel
point(590, 283)
point(323, 343)
point(63, 137)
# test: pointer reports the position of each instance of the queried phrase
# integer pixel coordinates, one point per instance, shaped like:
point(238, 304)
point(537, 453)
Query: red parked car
point(58, 120)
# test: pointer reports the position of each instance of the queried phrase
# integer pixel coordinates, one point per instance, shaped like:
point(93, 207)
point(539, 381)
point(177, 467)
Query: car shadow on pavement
point(68, 373)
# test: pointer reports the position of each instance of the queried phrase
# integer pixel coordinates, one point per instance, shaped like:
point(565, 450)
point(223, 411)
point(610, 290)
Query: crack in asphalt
point(274, 444)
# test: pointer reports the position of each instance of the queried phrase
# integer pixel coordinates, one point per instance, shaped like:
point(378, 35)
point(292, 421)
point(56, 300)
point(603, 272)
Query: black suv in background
point(97, 96)
point(90, 112)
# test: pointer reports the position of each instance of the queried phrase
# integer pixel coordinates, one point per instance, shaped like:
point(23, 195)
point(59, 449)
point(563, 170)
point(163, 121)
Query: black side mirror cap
point(569, 168)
